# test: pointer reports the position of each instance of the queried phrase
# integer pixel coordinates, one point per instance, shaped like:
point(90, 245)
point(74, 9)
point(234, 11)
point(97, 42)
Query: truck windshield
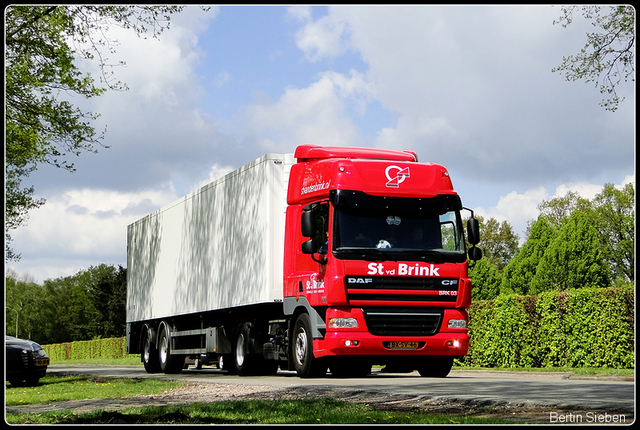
point(378, 228)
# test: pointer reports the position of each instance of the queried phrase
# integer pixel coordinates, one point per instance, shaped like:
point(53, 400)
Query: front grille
point(364, 290)
point(25, 359)
point(402, 322)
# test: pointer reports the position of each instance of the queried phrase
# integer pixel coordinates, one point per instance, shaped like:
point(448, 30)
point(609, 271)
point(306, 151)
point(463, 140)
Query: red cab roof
point(306, 153)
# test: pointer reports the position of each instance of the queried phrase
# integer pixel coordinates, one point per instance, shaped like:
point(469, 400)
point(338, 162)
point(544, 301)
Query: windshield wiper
point(367, 254)
point(429, 255)
point(378, 255)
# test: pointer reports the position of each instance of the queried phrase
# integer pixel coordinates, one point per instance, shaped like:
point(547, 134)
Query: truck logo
point(403, 269)
point(360, 280)
point(396, 175)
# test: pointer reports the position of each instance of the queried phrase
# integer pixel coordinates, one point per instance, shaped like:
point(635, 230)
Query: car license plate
point(42, 361)
point(403, 345)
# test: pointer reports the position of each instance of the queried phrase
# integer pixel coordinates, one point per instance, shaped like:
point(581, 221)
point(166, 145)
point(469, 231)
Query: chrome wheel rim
point(240, 350)
point(301, 346)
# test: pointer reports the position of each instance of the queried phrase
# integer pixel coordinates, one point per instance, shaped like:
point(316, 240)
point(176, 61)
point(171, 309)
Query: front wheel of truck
point(305, 363)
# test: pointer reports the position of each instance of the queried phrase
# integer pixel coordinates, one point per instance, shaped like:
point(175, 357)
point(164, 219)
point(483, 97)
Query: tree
point(557, 210)
point(67, 309)
point(485, 280)
point(521, 269)
point(87, 305)
point(607, 58)
point(615, 220)
point(42, 44)
point(107, 288)
point(573, 259)
point(497, 240)
point(24, 298)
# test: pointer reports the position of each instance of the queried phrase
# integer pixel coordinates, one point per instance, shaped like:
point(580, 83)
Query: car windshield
point(407, 229)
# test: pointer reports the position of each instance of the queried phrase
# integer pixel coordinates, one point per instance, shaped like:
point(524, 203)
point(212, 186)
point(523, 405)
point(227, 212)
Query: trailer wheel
point(244, 360)
point(436, 367)
point(305, 363)
point(168, 363)
point(150, 354)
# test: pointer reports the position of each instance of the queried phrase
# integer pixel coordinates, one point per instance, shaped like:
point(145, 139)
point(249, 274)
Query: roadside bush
point(87, 349)
point(588, 327)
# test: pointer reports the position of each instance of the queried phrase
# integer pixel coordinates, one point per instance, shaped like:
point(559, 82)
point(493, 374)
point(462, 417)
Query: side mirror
point(473, 231)
point(475, 254)
point(309, 247)
point(307, 224)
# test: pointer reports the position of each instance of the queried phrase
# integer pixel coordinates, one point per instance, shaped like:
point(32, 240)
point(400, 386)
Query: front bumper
point(359, 341)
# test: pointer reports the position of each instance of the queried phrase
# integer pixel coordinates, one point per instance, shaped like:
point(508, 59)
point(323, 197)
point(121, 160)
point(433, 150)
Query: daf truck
point(331, 259)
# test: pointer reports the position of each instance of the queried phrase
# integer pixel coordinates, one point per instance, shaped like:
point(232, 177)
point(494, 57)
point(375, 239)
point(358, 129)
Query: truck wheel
point(246, 362)
point(150, 355)
point(305, 363)
point(168, 363)
point(436, 367)
point(227, 362)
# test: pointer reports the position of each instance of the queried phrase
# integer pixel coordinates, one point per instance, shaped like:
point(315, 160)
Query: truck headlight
point(457, 324)
point(343, 323)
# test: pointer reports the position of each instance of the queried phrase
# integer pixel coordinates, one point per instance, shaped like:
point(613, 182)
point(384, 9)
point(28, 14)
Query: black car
point(26, 362)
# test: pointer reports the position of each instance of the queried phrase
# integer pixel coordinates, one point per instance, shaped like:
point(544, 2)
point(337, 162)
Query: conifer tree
point(519, 272)
point(574, 258)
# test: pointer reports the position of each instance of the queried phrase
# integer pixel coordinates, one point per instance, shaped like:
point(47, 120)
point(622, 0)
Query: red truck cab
point(375, 256)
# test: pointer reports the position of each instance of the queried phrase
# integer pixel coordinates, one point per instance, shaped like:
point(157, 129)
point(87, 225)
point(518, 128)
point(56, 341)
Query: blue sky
point(468, 87)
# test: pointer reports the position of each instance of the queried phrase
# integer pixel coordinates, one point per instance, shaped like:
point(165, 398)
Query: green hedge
point(87, 349)
point(589, 327)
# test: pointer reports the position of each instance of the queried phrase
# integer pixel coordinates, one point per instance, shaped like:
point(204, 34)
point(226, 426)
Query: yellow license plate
point(42, 361)
point(403, 345)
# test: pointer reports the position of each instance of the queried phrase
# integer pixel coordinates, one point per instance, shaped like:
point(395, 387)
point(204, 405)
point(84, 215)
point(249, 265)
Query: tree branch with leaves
point(607, 59)
point(42, 45)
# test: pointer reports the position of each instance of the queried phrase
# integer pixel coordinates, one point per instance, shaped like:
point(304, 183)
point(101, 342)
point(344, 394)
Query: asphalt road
point(535, 388)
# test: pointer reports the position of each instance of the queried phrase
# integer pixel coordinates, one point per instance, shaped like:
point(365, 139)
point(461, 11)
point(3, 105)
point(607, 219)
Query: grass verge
point(574, 371)
point(59, 388)
point(316, 411)
point(311, 411)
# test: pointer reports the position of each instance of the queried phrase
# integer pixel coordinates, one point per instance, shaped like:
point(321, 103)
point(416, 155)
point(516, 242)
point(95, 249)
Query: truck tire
point(150, 354)
point(436, 367)
point(227, 363)
point(243, 359)
point(305, 363)
point(169, 364)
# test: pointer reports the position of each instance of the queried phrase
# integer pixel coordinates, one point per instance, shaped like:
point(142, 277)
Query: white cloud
point(215, 173)
point(156, 130)
point(299, 13)
point(472, 87)
point(324, 38)
point(220, 79)
point(88, 225)
point(518, 209)
point(314, 115)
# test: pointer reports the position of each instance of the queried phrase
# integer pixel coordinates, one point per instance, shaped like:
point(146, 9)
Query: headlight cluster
point(457, 324)
point(343, 323)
